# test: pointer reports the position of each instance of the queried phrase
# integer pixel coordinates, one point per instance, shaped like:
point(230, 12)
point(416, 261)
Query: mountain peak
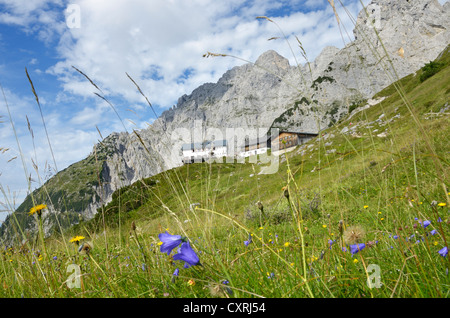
point(272, 60)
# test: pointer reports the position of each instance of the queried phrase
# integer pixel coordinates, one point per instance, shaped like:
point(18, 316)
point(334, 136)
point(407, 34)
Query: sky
point(159, 43)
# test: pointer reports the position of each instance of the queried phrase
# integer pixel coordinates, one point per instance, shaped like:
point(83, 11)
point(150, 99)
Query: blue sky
point(159, 43)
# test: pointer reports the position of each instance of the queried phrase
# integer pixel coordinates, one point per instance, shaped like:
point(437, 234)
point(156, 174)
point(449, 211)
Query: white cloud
point(33, 16)
point(140, 36)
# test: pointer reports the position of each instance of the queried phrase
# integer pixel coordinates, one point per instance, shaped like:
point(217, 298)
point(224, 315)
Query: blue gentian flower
point(433, 232)
point(443, 252)
point(395, 237)
point(426, 223)
point(169, 242)
point(439, 220)
point(356, 247)
point(187, 254)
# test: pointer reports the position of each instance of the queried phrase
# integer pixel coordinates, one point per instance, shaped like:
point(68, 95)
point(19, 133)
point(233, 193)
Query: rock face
point(129, 158)
point(393, 38)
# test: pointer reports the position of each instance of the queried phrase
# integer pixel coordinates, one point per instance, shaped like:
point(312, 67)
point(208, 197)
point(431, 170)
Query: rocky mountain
point(392, 39)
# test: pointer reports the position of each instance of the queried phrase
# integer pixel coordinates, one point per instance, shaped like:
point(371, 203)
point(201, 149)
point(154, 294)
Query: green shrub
point(430, 69)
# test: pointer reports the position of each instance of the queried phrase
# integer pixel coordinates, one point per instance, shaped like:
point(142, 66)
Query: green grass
point(386, 185)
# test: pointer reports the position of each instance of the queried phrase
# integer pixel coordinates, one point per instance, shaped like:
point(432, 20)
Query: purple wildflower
point(330, 242)
point(249, 240)
point(187, 254)
point(443, 252)
point(426, 223)
point(356, 247)
point(169, 242)
point(433, 232)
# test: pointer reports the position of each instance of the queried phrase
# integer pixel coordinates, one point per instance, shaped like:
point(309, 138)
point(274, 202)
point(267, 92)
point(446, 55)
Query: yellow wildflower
point(324, 226)
point(37, 209)
point(366, 206)
point(442, 204)
point(76, 239)
point(286, 244)
point(355, 261)
point(191, 282)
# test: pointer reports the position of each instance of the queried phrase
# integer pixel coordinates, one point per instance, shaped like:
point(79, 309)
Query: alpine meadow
point(323, 179)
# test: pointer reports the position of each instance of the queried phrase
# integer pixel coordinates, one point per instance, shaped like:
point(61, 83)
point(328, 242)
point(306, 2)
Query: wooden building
point(288, 139)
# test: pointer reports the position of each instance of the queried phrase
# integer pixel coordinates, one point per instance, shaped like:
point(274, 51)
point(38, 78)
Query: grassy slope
point(380, 184)
point(357, 162)
point(69, 191)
